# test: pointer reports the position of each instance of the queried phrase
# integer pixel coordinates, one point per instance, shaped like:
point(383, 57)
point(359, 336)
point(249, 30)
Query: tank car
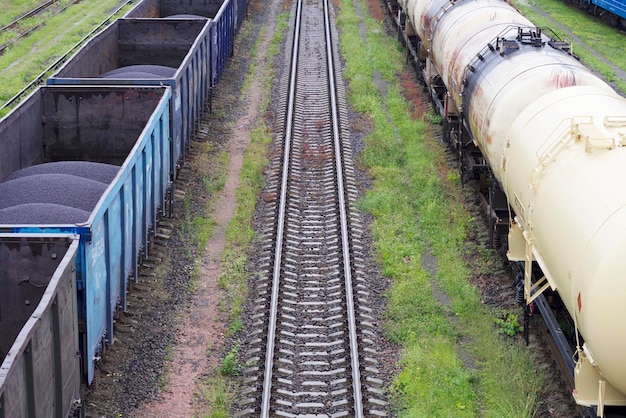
point(553, 136)
point(95, 157)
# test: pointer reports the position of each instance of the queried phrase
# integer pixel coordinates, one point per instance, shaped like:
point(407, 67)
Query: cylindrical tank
point(569, 193)
point(554, 135)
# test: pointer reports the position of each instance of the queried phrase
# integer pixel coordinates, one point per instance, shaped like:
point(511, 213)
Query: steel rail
point(42, 76)
point(28, 14)
point(265, 407)
point(271, 332)
point(32, 13)
point(347, 269)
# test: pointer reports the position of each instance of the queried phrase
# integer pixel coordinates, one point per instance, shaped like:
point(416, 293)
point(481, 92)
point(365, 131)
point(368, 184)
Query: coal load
point(60, 189)
point(141, 71)
point(104, 173)
point(183, 16)
point(42, 214)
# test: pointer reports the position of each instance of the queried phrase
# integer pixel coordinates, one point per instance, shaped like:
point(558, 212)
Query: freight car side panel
point(181, 44)
point(123, 223)
point(222, 39)
point(166, 8)
point(40, 375)
point(126, 126)
point(17, 153)
point(198, 75)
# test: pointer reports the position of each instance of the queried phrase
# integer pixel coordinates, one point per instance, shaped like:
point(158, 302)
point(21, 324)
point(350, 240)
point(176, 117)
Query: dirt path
point(202, 328)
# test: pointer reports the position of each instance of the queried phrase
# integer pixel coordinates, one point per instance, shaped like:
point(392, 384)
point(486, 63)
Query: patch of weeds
point(215, 179)
point(229, 365)
point(235, 326)
point(433, 117)
point(508, 323)
point(213, 396)
point(201, 230)
point(163, 381)
point(192, 285)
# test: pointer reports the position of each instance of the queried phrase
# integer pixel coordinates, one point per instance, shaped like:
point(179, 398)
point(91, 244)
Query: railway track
point(40, 79)
point(311, 351)
point(33, 12)
point(21, 31)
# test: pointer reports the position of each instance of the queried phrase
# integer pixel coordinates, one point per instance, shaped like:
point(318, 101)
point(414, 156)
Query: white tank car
point(554, 136)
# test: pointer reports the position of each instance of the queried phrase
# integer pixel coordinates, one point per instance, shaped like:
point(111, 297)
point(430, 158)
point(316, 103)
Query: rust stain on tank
point(458, 72)
point(562, 78)
point(427, 23)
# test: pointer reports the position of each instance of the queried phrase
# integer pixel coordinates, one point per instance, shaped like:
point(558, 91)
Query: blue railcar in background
point(125, 126)
point(174, 52)
point(612, 12)
point(617, 7)
point(39, 362)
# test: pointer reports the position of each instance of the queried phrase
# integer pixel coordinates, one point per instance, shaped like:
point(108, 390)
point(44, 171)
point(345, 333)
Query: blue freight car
point(611, 12)
point(174, 52)
point(226, 23)
point(55, 129)
point(617, 7)
point(39, 372)
point(226, 15)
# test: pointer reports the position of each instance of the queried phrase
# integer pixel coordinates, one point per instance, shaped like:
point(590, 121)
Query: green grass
point(12, 9)
point(229, 365)
point(216, 394)
point(454, 360)
point(28, 58)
